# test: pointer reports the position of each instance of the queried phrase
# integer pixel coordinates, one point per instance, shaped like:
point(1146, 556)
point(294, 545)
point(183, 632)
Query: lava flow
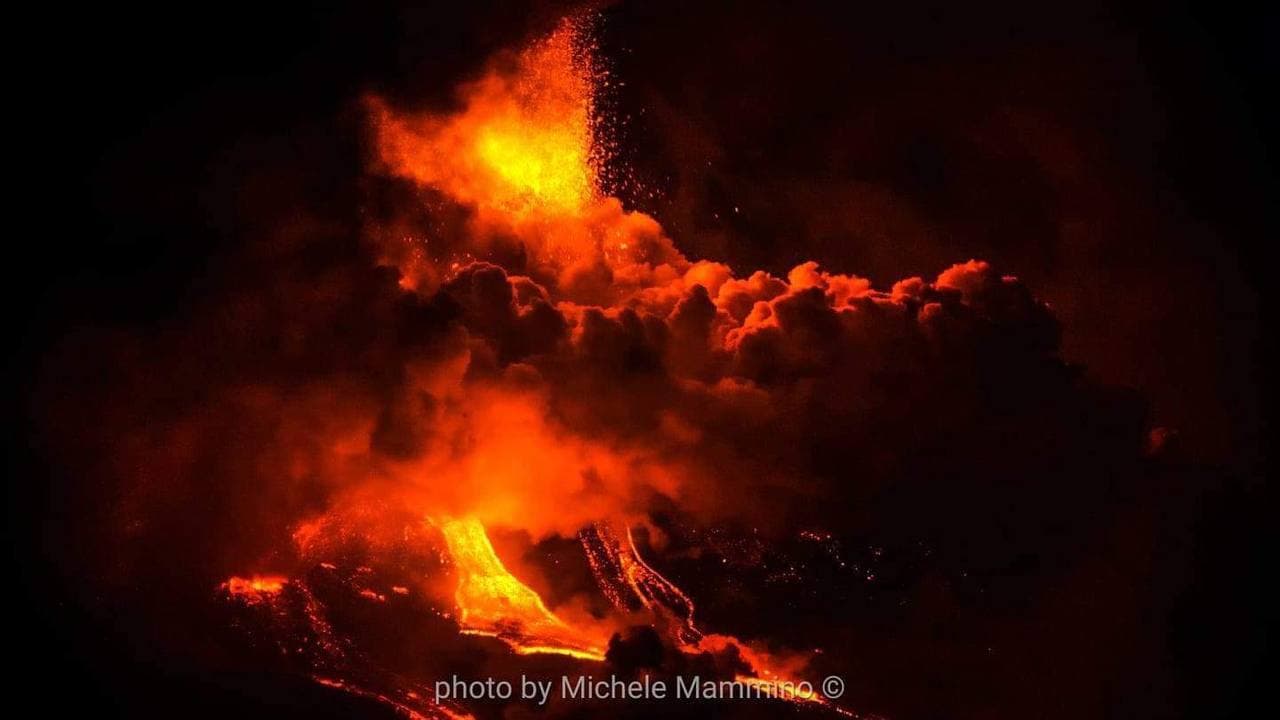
point(491, 601)
point(620, 568)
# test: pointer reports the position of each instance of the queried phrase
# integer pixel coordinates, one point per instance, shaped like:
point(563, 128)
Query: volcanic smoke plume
point(514, 429)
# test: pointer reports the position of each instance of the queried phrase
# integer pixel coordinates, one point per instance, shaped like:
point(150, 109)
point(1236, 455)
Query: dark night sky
point(1116, 158)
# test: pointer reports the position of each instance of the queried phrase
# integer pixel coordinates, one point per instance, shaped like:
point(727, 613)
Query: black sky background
point(156, 143)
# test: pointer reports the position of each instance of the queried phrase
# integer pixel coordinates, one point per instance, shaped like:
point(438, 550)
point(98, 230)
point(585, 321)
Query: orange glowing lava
point(624, 575)
point(619, 567)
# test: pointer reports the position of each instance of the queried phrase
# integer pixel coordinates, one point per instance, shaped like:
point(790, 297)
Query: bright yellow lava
point(494, 603)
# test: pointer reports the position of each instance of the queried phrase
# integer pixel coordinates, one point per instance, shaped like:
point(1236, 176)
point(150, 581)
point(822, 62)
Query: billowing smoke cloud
point(672, 367)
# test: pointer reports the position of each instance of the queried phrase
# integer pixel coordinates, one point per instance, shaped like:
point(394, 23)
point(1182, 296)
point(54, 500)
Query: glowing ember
point(617, 566)
point(256, 588)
